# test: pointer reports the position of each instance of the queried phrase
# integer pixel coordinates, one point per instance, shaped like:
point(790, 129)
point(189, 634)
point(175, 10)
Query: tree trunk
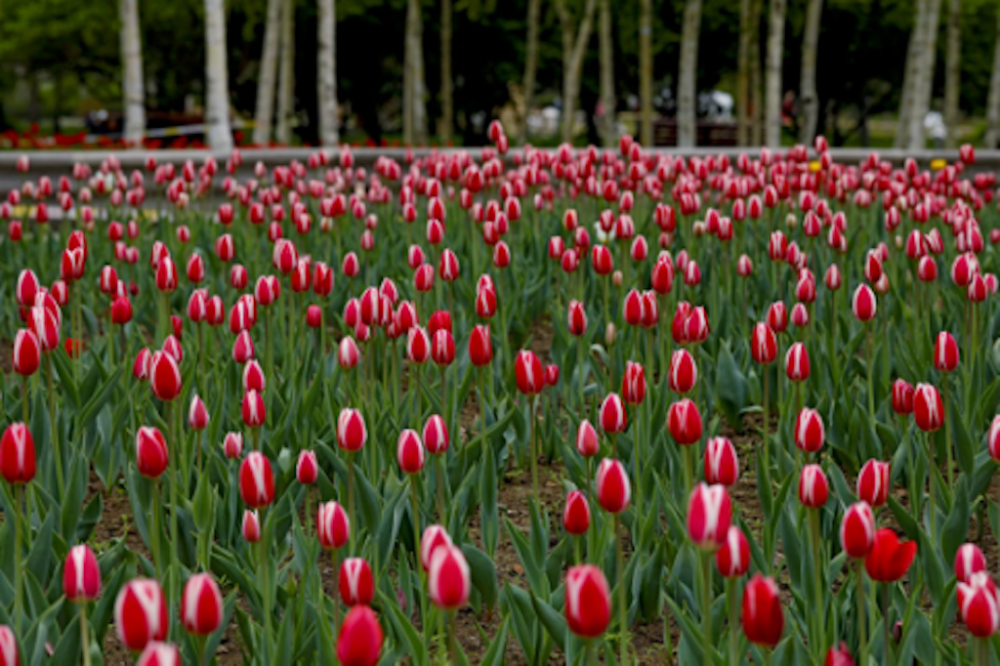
point(646, 72)
point(447, 111)
point(608, 134)
point(756, 77)
point(952, 69)
point(993, 102)
point(687, 85)
point(747, 27)
point(909, 76)
point(220, 138)
point(415, 65)
point(775, 55)
point(574, 49)
point(807, 86)
point(530, 66)
point(132, 85)
point(923, 85)
point(286, 86)
point(264, 114)
point(327, 74)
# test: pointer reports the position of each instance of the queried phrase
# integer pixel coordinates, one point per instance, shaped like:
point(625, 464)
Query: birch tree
point(132, 85)
point(993, 102)
point(264, 114)
point(924, 82)
point(747, 30)
point(756, 77)
point(687, 80)
point(447, 103)
point(807, 86)
point(574, 42)
point(220, 138)
point(286, 85)
point(530, 66)
point(608, 137)
point(775, 55)
point(952, 70)
point(327, 73)
point(415, 130)
point(646, 72)
point(909, 76)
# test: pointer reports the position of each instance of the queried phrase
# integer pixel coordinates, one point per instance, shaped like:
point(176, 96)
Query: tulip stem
point(336, 603)
point(581, 378)
point(532, 416)
point(18, 555)
point(888, 659)
point(154, 537)
point(350, 496)
point(84, 633)
point(452, 633)
point(734, 621)
point(947, 434)
point(174, 504)
point(706, 613)
point(265, 583)
point(871, 371)
point(56, 450)
point(24, 400)
point(817, 545)
point(862, 620)
point(766, 420)
point(622, 608)
point(440, 487)
point(590, 654)
point(932, 483)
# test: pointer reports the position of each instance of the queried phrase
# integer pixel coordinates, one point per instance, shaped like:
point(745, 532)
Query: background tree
point(134, 99)
point(608, 133)
point(218, 133)
point(264, 116)
point(530, 67)
point(646, 72)
point(447, 102)
point(327, 79)
point(687, 86)
point(993, 103)
point(286, 84)
point(923, 83)
point(749, 24)
point(414, 131)
point(808, 98)
point(952, 67)
point(574, 43)
point(775, 61)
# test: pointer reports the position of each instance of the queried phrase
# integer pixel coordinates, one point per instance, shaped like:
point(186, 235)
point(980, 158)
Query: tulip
point(873, 482)
point(201, 605)
point(814, 489)
point(945, 352)
point(256, 480)
point(359, 642)
point(254, 411)
point(709, 514)
point(839, 656)
point(160, 654)
point(356, 583)
point(81, 575)
point(613, 416)
point(250, 526)
point(797, 363)
point(863, 304)
point(576, 319)
point(902, 397)
point(410, 452)
point(435, 435)
point(889, 560)
point(434, 537)
point(307, 467)
point(587, 443)
point(733, 556)
point(969, 560)
point(763, 344)
point(763, 619)
point(721, 463)
point(928, 408)
point(151, 453)
point(8, 647)
point(140, 614)
point(979, 605)
point(232, 445)
point(480, 346)
point(351, 430)
point(614, 490)
point(576, 514)
point(683, 372)
point(588, 602)
point(684, 422)
point(333, 526)
point(449, 580)
point(857, 530)
point(528, 373)
point(27, 355)
point(164, 376)
point(633, 383)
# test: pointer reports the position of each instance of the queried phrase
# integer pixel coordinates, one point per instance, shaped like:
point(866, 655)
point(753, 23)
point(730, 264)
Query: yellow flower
point(814, 166)
point(938, 164)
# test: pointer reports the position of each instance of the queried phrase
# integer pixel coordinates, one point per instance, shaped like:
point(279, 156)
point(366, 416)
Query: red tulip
point(797, 362)
point(683, 372)
point(576, 515)
point(81, 575)
point(410, 452)
point(435, 435)
point(348, 355)
point(44, 322)
point(839, 656)
point(159, 654)
point(250, 527)
point(26, 288)
point(480, 346)
point(979, 605)
point(333, 525)
point(763, 619)
point(164, 376)
point(873, 482)
point(151, 452)
point(17, 454)
point(314, 316)
point(722, 466)
point(448, 578)
point(307, 467)
point(232, 445)
point(945, 352)
point(709, 514)
point(433, 538)
point(889, 560)
point(928, 409)
point(969, 560)
point(356, 583)
point(587, 443)
point(254, 380)
point(197, 414)
point(814, 489)
point(141, 613)
point(634, 383)
point(418, 345)
point(902, 397)
point(528, 373)
point(256, 480)
point(27, 355)
point(613, 416)
point(588, 601)
point(254, 410)
point(684, 422)
point(201, 605)
point(777, 317)
point(809, 431)
point(8, 647)
point(121, 310)
point(863, 303)
point(733, 557)
point(857, 530)
point(443, 348)
point(351, 430)
point(359, 642)
point(763, 344)
point(614, 490)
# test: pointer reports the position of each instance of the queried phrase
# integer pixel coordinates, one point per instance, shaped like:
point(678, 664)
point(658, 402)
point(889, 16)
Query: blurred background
point(879, 73)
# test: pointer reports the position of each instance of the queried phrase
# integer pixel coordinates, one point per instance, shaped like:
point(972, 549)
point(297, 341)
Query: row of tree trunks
point(775, 58)
point(286, 84)
point(447, 104)
point(646, 71)
point(953, 59)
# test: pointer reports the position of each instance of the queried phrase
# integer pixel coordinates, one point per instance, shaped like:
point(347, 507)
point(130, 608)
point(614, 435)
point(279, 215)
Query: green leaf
point(484, 574)
point(488, 503)
point(956, 527)
point(496, 652)
point(731, 387)
point(552, 620)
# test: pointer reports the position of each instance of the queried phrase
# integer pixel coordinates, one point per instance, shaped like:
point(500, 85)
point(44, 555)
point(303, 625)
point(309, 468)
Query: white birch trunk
point(132, 85)
point(608, 134)
point(993, 102)
point(687, 86)
point(286, 85)
point(808, 96)
point(264, 114)
point(952, 71)
point(220, 138)
point(923, 84)
point(447, 99)
point(530, 66)
point(415, 58)
point(573, 52)
point(646, 72)
point(327, 74)
point(909, 76)
point(775, 55)
point(743, 74)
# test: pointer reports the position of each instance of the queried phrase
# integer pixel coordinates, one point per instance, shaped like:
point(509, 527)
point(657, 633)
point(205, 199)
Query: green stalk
point(440, 489)
point(174, 504)
point(734, 622)
point(931, 508)
point(84, 634)
point(817, 545)
point(18, 558)
point(265, 582)
point(622, 608)
point(862, 620)
point(334, 553)
point(767, 414)
point(706, 607)
point(889, 659)
point(350, 497)
point(155, 536)
point(947, 434)
point(871, 368)
point(532, 413)
point(56, 449)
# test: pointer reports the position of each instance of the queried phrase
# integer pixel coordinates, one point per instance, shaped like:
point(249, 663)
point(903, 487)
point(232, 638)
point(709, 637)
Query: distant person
point(935, 128)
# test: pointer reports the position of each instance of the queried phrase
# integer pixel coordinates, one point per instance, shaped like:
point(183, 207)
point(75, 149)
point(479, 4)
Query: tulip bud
point(433, 538)
point(8, 646)
point(307, 467)
point(253, 409)
point(251, 526)
point(863, 304)
point(733, 557)
point(722, 466)
point(448, 578)
point(201, 605)
point(576, 515)
point(528, 373)
point(160, 654)
point(763, 619)
point(232, 445)
point(410, 452)
point(683, 372)
point(889, 559)
point(435, 435)
point(197, 414)
point(684, 422)
point(614, 490)
point(809, 431)
point(797, 362)
point(151, 453)
point(857, 530)
point(141, 613)
point(351, 430)
point(588, 601)
point(256, 480)
point(969, 560)
point(873, 482)
point(979, 605)
point(587, 443)
point(81, 575)
point(359, 642)
point(709, 514)
point(480, 346)
point(27, 353)
point(763, 344)
point(356, 583)
point(902, 397)
point(945, 352)
point(164, 376)
point(928, 408)
point(333, 526)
